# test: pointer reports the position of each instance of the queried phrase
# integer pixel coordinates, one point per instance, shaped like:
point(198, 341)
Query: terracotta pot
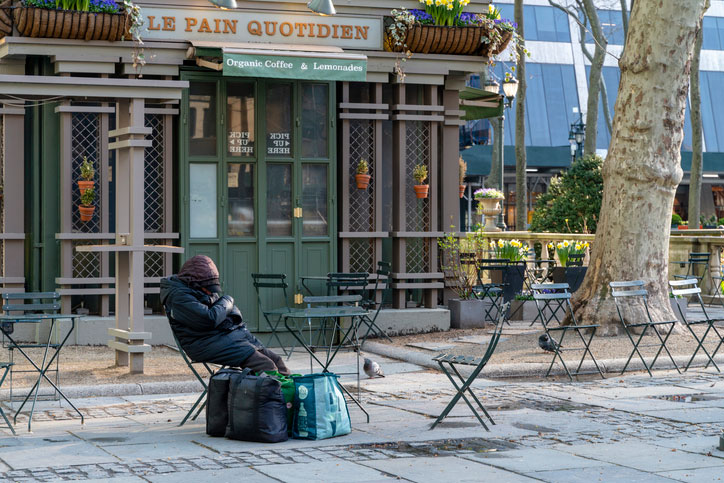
point(86, 212)
point(363, 181)
point(438, 39)
point(421, 190)
point(85, 185)
point(70, 24)
point(683, 227)
point(462, 190)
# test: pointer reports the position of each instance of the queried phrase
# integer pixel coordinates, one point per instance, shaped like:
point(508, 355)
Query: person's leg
point(258, 363)
point(276, 359)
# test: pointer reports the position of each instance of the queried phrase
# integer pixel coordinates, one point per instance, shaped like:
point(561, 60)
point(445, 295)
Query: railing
point(681, 243)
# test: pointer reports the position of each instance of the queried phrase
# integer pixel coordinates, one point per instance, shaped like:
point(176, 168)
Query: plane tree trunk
point(642, 169)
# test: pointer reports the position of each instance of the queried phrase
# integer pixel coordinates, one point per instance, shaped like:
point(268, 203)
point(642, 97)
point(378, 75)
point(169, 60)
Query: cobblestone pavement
point(632, 428)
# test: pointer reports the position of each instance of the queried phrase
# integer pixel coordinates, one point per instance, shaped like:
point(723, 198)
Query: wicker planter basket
point(67, 24)
point(437, 39)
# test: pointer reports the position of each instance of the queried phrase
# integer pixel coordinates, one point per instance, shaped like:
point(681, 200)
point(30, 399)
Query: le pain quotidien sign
point(217, 25)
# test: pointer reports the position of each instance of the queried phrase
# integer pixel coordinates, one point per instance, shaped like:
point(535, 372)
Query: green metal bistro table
point(341, 337)
point(6, 319)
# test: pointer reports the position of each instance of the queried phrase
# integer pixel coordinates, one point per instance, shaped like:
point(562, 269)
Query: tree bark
point(697, 147)
point(521, 186)
point(642, 169)
point(594, 78)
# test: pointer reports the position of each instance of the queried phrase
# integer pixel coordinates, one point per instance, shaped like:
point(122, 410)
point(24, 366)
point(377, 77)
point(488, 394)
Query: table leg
point(36, 387)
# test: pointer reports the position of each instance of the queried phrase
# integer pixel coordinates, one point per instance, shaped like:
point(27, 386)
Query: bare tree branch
point(624, 18)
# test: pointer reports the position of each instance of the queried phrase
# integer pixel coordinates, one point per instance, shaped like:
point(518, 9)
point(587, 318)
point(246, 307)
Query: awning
point(544, 158)
point(480, 104)
point(282, 61)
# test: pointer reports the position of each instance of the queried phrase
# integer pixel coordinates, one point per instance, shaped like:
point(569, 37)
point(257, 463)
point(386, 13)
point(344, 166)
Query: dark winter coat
point(208, 327)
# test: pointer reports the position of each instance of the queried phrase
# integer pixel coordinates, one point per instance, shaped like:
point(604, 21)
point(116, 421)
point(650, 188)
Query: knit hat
point(200, 270)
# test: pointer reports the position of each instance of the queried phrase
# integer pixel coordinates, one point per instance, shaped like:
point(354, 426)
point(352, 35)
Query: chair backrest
point(552, 300)
point(629, 292)
point(272, 281)
point(496, 333)
point(575, 260)
point(687, 288)
point(383, 273)
point(352, 283)
point(31, 302)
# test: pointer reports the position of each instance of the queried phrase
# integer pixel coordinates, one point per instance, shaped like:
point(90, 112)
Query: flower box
point(466, 314)
point(573, 276)
point(438, 39)
point(71, 24)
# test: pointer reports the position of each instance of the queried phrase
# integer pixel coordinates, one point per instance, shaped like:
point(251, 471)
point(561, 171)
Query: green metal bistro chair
point(5, 367)
point(274, 282)
point(688, 288)
point(447, 363)
point(697, 267)
point(201, 401)
point(383, 273)
point(553, 301)
point(634, 293)
point(492, 291)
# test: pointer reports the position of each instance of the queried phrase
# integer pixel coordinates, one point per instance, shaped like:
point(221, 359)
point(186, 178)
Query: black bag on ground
point(217, 402)
point(256, 408)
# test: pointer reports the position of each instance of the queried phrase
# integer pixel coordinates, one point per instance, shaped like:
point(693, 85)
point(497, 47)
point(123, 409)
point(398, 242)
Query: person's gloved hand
point(235, 315)
point(227, 302)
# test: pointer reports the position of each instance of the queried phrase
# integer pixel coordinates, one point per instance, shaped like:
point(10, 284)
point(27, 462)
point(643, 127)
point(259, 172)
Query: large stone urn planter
point(490, 208)
point(71, 24)
point(466, 314)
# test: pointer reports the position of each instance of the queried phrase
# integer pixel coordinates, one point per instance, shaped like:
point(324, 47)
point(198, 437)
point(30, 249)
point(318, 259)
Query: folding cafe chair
point(688, 288)
point(277, 283)
point(447, 363)
point(553, 301)
point(634, 293)
point(491, 291)
point(201, 401)
point(371, 304)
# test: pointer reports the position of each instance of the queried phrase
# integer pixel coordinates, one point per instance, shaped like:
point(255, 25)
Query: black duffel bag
point(256, 409)
point(217, 402)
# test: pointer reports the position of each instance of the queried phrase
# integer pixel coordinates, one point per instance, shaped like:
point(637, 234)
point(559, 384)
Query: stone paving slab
point(600, 473)
point(339, 471)
point(231, 475)
point(449, 468)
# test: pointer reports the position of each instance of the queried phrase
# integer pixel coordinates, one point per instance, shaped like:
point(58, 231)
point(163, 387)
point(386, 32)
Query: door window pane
point(315, 125)
point(279, 200)
point(279, 120)
point(240, 186)
point(240, 116)
point(202, 189)
point(202, 119)
point(314, 200)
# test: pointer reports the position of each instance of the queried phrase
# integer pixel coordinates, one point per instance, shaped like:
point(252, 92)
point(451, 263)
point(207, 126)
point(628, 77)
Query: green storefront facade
point(254, 121)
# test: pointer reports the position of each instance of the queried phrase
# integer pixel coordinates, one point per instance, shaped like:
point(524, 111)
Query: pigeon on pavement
point(547, 344)
point(372, 369)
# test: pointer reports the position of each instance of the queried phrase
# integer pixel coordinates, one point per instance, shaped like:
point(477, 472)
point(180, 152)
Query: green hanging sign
point(292, 67)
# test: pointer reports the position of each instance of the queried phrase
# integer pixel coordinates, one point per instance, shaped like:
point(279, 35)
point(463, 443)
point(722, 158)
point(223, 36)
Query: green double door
point(257, 178)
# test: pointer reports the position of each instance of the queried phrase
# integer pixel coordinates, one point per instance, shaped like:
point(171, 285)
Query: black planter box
point(573, 276)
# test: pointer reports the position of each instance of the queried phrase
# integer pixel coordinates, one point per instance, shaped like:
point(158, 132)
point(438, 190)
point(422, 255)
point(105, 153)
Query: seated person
point(208, 325)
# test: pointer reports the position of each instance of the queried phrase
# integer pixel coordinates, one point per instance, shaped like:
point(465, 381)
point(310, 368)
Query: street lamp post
point(510, 89)
point(576, 136)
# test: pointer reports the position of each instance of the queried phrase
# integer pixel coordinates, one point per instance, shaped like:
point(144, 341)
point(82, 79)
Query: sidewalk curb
point(114, 390)
point(536, 369)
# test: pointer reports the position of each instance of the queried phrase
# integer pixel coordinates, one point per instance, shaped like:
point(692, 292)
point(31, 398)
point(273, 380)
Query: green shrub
point(721, 221)
point(573, 200)
point(676, 219)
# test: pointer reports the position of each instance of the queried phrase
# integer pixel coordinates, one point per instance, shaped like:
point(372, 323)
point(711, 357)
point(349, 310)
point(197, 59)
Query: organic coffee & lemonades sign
point(215, 25)
point(353, 68)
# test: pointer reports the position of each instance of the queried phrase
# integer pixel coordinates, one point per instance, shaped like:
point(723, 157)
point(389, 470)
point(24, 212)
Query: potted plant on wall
point(86, 207)
point(466, 311)
point(513, 275)
point(362, 177)
point(462, 171)
point(566, 273)
point(675, 220)
point(87, 173)
point(420, 175)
